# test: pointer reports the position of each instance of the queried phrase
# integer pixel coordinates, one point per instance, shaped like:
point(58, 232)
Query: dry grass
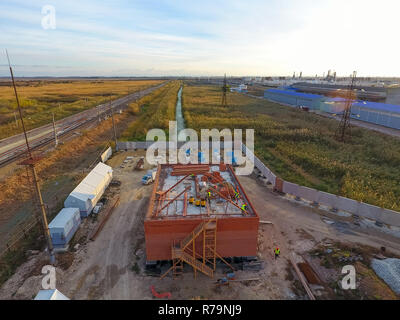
point(69, 159)
point(40, 98)
point(300, 147)
point(154, 111)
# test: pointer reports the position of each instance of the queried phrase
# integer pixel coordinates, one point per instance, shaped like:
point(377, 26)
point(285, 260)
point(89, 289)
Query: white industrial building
point(89, 191)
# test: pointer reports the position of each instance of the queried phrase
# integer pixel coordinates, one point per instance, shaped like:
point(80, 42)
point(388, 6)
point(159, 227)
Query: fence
point(358, 208)
point(22, 232)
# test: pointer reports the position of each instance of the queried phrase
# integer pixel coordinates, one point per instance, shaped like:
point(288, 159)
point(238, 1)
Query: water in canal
point(179, 116)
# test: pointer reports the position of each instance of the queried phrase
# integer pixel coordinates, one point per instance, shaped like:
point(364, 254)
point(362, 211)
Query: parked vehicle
point(149, 177)
point(97, 208)
point(115, 183)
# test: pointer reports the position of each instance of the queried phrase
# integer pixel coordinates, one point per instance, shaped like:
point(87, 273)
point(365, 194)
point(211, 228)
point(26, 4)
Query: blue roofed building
point(383, 114)
point(294, 98)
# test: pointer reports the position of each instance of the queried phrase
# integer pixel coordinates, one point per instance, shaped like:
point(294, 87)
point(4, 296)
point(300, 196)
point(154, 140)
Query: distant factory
point(389, 94)
point(384, 114)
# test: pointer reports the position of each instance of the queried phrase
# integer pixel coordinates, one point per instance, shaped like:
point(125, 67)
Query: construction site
point(199, 212)
point(187, 235)
point(134, 229)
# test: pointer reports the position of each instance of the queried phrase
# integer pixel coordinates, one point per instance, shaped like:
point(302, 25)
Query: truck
point(149, 177)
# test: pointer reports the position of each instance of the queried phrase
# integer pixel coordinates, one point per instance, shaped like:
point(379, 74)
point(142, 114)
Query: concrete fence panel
point(327, 199)
point(390, 217)
point(347, 204)
point(307, 193)
point(386, 216)
point(290, 188)
point(369, 211)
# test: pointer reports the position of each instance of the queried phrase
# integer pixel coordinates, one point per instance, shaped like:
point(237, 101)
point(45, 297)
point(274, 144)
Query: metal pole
point(35, 178)
point(55, 132)
point(112, 116)
point(16, 121)
point(44, 216)
point(19, 107)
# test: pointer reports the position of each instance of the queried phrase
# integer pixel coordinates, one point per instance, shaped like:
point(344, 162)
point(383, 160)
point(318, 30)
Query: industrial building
point(294, 98)
point(333, 90)
point(89, 191)
point(241, 88)
point(63, 227)
point(384, 114)
point(197, 214)
point(333, 105)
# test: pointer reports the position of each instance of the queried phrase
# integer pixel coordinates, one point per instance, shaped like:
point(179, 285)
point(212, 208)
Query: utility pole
point(55, 132)
point(16, 121)
point(31, 163)
point(224, 91)
point(112, 116)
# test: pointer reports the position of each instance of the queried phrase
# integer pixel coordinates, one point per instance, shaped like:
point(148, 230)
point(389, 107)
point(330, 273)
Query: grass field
point(57, 178)
point(300, 146)
point(154, 111)
point(39, 98)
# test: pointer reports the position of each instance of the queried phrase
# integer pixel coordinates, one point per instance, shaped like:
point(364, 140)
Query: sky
point(200, 38)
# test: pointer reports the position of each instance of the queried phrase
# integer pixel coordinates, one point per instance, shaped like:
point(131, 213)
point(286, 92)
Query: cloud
point(202, 37)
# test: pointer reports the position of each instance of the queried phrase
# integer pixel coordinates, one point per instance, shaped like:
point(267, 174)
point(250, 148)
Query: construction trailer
point(50, 294)
point(199, 213)
point(63, 227)
point(86, 195)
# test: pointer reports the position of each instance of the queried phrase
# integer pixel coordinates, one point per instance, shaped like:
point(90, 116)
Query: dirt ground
point(112, 266)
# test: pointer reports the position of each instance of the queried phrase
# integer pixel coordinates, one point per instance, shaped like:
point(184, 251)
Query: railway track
point(69, 125)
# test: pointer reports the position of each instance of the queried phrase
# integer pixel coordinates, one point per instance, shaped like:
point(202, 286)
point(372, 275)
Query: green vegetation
point(300, 146)
point(40, 98)
point(154, 111)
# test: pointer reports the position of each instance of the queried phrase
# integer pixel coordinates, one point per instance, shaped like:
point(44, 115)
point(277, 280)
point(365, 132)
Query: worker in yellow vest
point(209, 197)
point(277, 252)
point(244, 207)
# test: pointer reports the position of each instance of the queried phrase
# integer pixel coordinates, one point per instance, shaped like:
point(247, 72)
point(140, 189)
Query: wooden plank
point(185, 205)
point(302, 279)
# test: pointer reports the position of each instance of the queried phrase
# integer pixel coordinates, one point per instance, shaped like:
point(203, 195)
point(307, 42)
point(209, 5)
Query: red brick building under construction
point(198, 213)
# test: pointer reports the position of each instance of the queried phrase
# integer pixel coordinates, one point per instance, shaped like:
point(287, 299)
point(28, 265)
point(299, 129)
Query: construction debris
point(302, 279)
point(160, 295)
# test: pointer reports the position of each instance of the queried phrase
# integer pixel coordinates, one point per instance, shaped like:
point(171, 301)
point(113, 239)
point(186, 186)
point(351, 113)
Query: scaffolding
point(185, 251)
